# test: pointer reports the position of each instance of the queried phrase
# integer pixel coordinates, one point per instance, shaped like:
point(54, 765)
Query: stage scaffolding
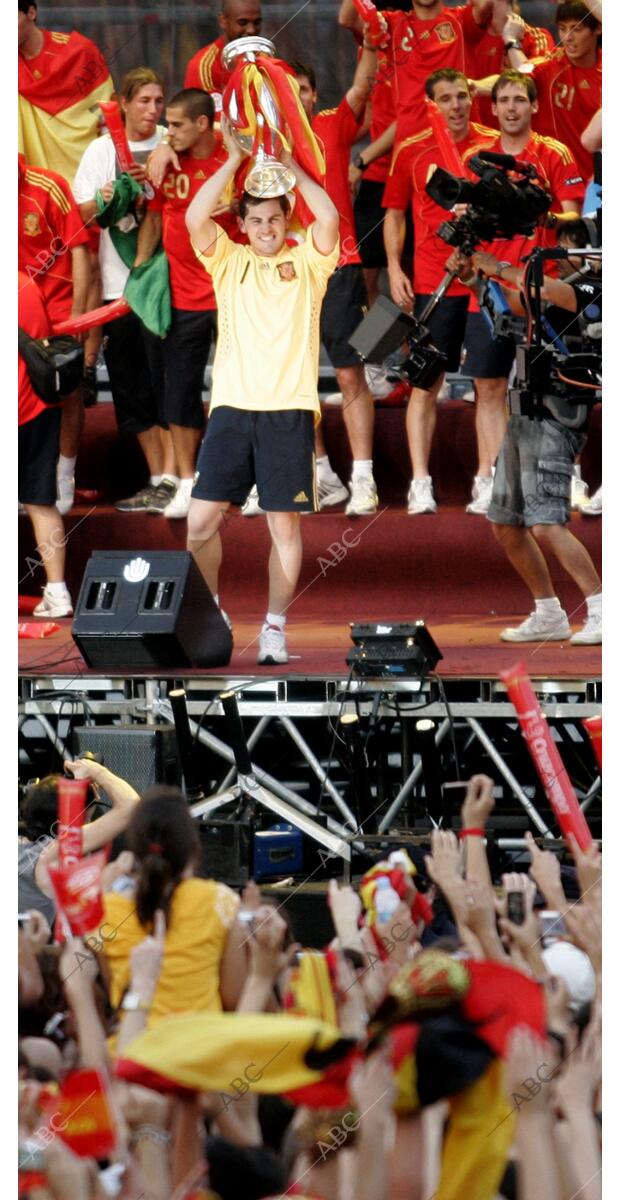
point(294, 731)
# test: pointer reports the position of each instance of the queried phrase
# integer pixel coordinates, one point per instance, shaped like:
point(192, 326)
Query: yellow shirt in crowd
point(268, 312)
point(201, 914)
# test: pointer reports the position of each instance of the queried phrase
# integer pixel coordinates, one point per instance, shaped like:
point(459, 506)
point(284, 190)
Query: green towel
point(147, 290)
point(126, 190)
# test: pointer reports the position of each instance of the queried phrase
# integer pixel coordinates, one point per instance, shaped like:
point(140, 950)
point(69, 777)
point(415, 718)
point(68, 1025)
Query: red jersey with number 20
point(191, 288)
point(414, 161)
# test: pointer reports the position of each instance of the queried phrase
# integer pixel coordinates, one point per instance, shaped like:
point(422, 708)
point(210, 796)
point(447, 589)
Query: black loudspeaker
point(141, 754)
point(148, 608)
point(226, 851)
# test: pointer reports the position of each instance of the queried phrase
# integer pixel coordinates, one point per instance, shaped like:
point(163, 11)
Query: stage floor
point(318, 648)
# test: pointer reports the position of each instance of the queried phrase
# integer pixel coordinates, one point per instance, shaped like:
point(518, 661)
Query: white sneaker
point(330, 491)
point(364, 499)
point(469, 397)
point(420, 498)
point(252, 508)
point(537, 628)
point(480, 494)
point(332, 398)
point(65, 494)
point(272, 645)
point(592, 632)
point(445, 392)
point(179, 505)
point(578, 491)
point(51, 606)
point(377, 381)
point(594, 506)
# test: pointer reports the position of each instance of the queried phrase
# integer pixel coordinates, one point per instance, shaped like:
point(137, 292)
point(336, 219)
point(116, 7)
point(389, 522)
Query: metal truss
point(482, 720)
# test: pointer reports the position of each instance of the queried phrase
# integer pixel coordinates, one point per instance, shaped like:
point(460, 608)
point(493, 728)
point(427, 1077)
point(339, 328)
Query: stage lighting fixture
point(400, 650)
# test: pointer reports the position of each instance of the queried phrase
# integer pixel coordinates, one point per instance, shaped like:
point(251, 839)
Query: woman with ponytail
point(204, 964)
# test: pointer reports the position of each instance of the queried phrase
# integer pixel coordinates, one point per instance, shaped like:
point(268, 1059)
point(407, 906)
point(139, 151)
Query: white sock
point(324, 469)
point(549, 607)
point(362, 469)
point(277, 619)
point(57, 590)
point(595, 604)
point(576, 471)
point(66, 466)
point(155, 480)
point(185, 485)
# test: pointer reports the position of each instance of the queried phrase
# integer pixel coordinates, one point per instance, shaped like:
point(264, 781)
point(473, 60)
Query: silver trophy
point(267, 177)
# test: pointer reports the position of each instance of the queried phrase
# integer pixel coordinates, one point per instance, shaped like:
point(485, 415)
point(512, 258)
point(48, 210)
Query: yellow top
point(268, 311)
point(201, 914)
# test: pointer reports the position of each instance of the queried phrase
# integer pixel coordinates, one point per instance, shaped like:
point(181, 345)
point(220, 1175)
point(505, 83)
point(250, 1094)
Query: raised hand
point(478, 803)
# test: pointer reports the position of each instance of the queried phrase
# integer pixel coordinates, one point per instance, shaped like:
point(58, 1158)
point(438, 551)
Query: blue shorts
point(533, 474)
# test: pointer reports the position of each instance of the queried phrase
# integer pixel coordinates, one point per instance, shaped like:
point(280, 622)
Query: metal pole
point(511, 780)
point(321, 775)
point(52, 734)
point(256, 733)
point(410, 783)
point(280, 789)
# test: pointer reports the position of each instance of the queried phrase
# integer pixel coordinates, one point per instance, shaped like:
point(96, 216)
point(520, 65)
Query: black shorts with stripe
point(274, 450)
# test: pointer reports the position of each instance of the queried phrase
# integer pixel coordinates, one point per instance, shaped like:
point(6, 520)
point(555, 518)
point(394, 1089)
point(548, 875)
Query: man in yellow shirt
point(264, 400)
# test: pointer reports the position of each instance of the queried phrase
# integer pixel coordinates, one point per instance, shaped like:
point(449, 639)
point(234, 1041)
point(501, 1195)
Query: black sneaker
point(161, 496)
point(138, 503)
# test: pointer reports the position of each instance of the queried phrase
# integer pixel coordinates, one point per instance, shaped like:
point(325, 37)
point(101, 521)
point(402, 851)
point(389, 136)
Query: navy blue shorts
point(274, 450)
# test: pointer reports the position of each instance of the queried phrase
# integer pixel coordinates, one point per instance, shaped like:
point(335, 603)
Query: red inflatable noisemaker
point(545, 755)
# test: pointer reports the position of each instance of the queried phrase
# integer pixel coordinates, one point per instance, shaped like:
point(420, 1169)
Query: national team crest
point(287, 272)
point(32, 225)
point(445, 32)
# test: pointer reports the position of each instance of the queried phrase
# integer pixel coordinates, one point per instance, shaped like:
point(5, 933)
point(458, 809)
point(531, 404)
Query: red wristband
point(463, 833)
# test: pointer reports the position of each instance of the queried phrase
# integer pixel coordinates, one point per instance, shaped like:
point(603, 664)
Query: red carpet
point(447, 568)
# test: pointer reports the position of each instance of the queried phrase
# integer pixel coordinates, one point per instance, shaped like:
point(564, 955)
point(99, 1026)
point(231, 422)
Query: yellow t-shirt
point(268, 312)
point(201, 914)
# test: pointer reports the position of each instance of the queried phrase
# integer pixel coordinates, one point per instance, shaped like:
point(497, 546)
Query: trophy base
point(269, 179)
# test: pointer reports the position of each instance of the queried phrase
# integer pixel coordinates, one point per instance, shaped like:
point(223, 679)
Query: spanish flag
point(232, 1052)
point(59, 93)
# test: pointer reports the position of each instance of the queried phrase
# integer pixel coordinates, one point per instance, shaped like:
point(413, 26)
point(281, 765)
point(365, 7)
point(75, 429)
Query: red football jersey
point(33, 318)
point(49, 227)
point(568, 98)
point(337, 129)
point(206, 69)
point(191, 287)
point(558, 174)
point(414, 161)
point(417, 48)
point(382, 114)
point(489, 57)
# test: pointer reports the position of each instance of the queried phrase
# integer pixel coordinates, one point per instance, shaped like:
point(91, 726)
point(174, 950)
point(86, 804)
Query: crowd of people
point(446, 1042)
point(90, 234)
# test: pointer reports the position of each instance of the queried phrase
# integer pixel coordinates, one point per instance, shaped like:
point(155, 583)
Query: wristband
point(512, 45)
point(463, 833)
point(160, 1136)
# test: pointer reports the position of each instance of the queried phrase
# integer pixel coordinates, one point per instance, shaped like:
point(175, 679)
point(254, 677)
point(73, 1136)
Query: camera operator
point(515, 104)
point(530, 505)
point(414, 161)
